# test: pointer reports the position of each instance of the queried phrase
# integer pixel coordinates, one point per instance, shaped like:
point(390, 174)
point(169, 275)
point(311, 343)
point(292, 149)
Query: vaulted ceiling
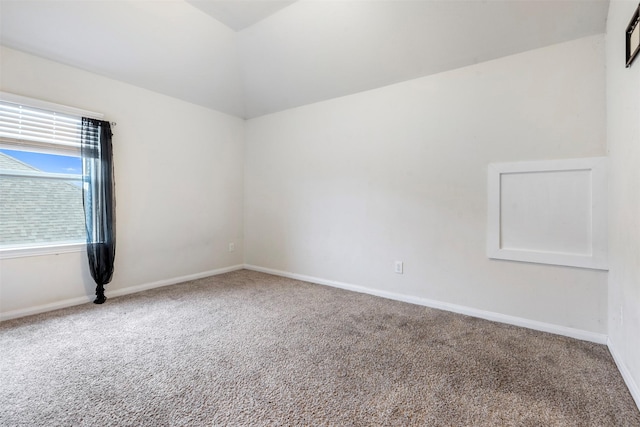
point(254, 57)
point(240, 14)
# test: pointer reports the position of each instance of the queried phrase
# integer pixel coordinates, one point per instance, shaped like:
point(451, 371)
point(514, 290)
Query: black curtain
point(98, 192)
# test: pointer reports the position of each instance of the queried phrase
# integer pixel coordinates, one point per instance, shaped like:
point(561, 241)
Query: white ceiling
point(165, 46)
point(289, 53)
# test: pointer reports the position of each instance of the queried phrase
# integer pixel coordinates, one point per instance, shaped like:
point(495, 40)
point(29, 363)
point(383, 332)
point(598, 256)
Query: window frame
point(53, 248)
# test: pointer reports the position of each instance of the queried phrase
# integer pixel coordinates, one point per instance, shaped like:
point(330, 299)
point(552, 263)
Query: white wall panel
point(179, 183)
point(623, 138)
point(341, 189)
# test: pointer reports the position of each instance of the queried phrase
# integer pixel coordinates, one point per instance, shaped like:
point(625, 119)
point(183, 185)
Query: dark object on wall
point(633, 37)
point(99, 201)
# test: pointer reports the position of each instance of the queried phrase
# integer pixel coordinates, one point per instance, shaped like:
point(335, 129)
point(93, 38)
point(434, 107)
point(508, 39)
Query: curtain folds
point(98, 192)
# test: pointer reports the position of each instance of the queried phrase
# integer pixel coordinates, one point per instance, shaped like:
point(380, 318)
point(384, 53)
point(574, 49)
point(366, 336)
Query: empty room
point(319, 212)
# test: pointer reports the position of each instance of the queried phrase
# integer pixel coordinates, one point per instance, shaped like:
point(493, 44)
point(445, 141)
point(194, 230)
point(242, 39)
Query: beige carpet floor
point(250, 349)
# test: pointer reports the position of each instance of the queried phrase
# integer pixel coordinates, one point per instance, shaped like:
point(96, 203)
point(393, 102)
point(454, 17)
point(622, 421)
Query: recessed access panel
point(551, 212)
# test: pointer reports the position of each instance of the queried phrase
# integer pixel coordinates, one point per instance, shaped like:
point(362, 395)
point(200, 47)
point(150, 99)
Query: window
point(40, 178)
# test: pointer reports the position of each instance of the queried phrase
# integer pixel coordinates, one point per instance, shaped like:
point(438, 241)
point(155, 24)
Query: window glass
point(40, 199)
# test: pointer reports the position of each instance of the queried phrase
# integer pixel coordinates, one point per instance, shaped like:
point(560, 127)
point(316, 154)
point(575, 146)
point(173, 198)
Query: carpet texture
point(251, 349)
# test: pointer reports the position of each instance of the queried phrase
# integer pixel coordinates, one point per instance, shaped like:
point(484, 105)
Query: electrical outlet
point(399, 267)
point(232, 247)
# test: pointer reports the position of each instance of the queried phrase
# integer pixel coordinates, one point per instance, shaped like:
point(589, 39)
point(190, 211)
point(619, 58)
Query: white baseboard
point(469, 311)
point(173, 281)
point(633, 387)
point(116, 293)
point(22, 312)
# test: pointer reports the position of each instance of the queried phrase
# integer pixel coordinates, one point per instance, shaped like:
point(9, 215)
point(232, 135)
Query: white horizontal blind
point(25, 126)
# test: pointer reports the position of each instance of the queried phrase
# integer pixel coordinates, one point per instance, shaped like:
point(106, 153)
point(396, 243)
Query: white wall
point(340, 189)
point(623, 138)
point(179, 185)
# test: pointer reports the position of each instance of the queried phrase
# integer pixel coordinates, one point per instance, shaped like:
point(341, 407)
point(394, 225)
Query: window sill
point(54, 249)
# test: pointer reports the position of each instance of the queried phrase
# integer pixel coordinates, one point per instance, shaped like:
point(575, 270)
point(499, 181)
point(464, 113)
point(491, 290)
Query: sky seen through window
point(52, 163)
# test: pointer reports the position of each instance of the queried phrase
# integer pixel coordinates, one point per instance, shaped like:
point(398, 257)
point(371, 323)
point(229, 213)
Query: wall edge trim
point(455, 308)
point(23, 312)
point(633, 387)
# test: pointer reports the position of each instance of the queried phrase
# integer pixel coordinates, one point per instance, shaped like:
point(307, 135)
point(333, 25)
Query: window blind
point(30, 127)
